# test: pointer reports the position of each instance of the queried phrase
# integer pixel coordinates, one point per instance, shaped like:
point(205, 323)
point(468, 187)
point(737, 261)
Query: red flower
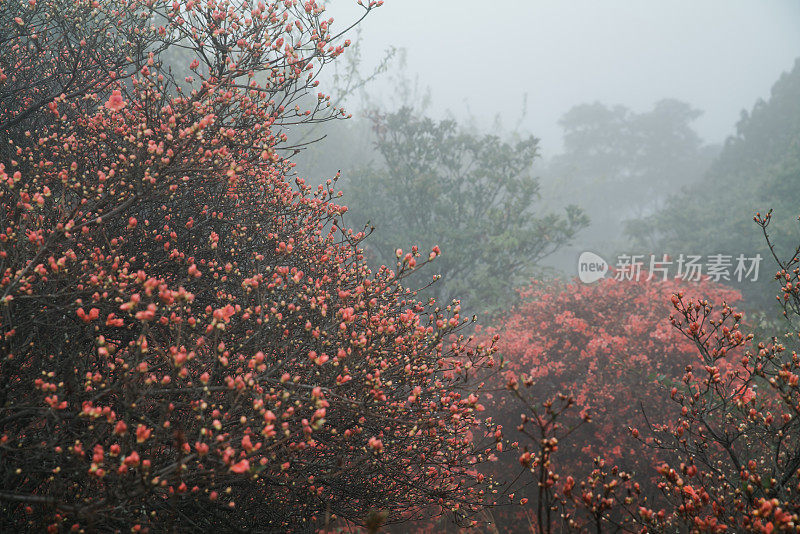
point(240, 467)
point(115, 101)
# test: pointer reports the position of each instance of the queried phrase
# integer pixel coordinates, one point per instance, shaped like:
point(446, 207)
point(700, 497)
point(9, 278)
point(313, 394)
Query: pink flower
point(115, 101)
point(375, 443)
point(241, 467)
point(747, 396)
point(142, 433)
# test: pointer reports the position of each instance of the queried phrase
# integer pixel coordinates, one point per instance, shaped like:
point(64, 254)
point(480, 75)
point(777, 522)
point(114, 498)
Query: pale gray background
point(720, 55)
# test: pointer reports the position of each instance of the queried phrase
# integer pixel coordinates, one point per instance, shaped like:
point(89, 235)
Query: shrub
point(588, 362)
point(190, 339)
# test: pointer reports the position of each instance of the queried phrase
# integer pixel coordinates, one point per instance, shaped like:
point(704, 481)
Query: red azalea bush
point(733, 461)
point(727, 456)
point(589, 360)
point(730, 460)
point(190, 339)
point(608, 345)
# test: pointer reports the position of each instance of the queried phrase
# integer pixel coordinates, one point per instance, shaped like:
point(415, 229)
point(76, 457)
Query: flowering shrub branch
point(191, 339)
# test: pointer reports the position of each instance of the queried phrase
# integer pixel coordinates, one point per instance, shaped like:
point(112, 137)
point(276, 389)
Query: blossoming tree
point(190, 338)
point(723, 454)
point(589, 361)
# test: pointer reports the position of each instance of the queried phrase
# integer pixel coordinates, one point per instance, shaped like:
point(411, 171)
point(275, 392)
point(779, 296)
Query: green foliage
point(471, 194)
point(618, 164)
point(758, 169)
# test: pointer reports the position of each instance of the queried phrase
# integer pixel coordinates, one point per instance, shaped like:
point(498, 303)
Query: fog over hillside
point(482, 57)
point(437, 266)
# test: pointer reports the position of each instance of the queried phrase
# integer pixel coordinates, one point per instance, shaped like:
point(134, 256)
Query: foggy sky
point(720, 55)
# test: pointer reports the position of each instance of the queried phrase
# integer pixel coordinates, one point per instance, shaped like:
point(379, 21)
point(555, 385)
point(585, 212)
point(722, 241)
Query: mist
point(519, 267)
point(631, 106)
point(477, 59)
